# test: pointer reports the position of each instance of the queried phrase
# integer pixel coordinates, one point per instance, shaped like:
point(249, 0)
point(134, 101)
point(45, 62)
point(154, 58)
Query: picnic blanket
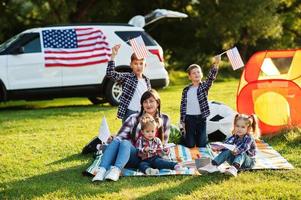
point(266, 158)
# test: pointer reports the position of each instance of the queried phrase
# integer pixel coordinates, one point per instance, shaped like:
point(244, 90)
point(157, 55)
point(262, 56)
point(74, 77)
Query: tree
point(212, 26)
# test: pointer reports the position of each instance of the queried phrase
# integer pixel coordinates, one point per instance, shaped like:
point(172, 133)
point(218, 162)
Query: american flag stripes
point(235, 58)
point(139, 47)
point(75, 47)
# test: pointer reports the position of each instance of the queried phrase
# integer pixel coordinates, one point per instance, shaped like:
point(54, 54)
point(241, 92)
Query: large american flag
point(235, 58)
point(139, 47)
point(75, 47)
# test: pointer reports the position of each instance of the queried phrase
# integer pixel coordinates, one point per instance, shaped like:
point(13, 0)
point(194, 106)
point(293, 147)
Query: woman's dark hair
point(148, 94)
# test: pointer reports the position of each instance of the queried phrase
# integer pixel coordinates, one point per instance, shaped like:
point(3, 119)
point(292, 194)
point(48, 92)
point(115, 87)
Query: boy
point(134, 84)
point(150, 148)
point(194, 105)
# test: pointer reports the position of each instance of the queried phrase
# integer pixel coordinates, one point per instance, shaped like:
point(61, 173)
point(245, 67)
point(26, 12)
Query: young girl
point(150, 148)
point(243, 156)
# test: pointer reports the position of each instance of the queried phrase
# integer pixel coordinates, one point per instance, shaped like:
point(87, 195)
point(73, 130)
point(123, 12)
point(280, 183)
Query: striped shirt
point(155, 145)
point(202, 93)
point(129, 83)
point(246, 144)
point(127, 128)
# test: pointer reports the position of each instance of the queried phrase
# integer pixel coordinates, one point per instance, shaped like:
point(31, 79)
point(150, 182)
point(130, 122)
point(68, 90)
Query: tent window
point(275, 66)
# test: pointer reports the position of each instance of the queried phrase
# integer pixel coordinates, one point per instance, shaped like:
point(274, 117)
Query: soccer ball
point(219, 122)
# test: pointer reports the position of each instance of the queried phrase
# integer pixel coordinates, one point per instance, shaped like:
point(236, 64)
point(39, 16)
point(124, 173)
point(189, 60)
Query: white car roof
point(117, 27)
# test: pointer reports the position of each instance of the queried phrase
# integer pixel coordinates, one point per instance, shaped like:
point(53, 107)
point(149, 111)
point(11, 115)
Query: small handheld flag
point(234, 58)
point(104, 132)
point(139, 47)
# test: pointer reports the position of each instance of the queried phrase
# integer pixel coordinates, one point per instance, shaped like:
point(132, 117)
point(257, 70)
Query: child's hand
point(216, 148)
point(152, 150)
point(235, 152)
point(146, 149)
point(216, 60)
point(182, 128)
point(110, 139)
point(115, 51)
point(165, 149)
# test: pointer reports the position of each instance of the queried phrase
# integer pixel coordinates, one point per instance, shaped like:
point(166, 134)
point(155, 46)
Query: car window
point(4, 45)
point(25, 43)
point(33, 45)
point(127, 35)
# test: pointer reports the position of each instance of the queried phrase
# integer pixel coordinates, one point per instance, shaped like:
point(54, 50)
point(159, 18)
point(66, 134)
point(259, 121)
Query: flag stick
point(223, 53)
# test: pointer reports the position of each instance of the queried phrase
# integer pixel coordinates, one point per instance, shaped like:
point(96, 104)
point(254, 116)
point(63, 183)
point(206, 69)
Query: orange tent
point(270, 87)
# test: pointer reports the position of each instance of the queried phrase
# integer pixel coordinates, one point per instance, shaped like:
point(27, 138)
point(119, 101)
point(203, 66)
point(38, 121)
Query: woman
point(121, 152)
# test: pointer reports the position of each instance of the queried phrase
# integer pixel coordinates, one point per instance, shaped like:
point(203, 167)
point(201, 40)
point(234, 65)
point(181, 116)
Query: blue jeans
point(242, 159)
point(156, 162)
point(127, 114)
point(195, 127)
point(120, 154)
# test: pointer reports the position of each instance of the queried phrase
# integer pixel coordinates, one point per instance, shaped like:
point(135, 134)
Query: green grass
point(40, 145)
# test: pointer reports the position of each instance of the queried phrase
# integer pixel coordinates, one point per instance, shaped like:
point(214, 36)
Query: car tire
point(113, 92)
point(2, 93)
point(96, 100)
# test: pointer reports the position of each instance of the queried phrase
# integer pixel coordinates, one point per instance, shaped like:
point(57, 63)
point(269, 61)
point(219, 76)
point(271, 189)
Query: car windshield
point(4, 45)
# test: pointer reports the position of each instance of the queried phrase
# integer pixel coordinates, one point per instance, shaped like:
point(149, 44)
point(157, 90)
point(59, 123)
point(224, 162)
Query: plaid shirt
point(129, 83)
point(202, 93)
point(125, 132)
point(246, 144)
point(155, 145)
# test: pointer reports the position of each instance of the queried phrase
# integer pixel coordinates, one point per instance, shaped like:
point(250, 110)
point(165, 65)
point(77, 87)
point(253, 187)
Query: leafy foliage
point(212, 26)
point(175, 135)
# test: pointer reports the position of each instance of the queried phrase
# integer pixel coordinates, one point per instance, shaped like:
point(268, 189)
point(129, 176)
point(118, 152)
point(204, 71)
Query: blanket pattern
point(266, 158)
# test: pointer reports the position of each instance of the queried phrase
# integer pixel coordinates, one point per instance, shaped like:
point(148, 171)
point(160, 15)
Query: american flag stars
point(60, 39)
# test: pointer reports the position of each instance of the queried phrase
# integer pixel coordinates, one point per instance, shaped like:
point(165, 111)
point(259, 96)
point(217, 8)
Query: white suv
point(23, 74)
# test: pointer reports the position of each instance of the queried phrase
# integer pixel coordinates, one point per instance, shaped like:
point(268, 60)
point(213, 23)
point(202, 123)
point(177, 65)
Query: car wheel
point(2, 93)
point(96, 100)
point(113, 92)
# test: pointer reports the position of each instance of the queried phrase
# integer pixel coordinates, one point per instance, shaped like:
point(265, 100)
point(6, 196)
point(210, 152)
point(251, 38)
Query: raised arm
point(111, 72)
point(210, 78)
point(212, 73)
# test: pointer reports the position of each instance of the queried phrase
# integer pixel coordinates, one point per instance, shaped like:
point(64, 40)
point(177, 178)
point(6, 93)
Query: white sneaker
point(113, 174)
point(231, 171)
point(151, 171)
point(208, 169)
point(100, 174)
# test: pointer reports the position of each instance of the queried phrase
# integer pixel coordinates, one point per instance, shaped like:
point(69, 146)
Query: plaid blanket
point(266, 158)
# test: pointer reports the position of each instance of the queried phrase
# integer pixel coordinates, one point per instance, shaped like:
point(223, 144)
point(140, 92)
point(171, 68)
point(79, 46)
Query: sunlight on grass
point(41, 143)
point(294, 135)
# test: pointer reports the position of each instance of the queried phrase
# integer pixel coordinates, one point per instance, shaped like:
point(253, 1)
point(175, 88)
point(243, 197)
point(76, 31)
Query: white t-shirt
point(193, 106)
point(140, 89)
